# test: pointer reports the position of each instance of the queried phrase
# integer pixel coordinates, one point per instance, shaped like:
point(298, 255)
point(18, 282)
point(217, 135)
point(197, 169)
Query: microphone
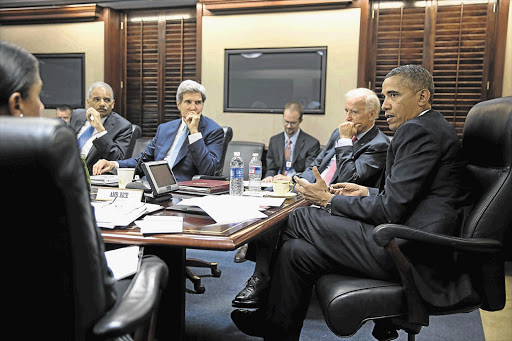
point(138, 164)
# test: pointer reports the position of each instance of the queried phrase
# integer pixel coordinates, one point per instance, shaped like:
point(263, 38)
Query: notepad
point(123, 262)
point(160, 224)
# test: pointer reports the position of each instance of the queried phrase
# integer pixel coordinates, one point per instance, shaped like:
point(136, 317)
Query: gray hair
point(190, 86)
point(97, 85)
point(372, 101)
point(415, 78)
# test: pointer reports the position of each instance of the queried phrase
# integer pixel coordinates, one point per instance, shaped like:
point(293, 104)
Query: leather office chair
point(139, 146)
point(198, 263)
point(348, 302)
point(246, 150)
point(136, 134)
point(59, 281)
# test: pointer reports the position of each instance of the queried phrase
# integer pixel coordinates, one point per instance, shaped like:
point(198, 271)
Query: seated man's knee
point(295, 250)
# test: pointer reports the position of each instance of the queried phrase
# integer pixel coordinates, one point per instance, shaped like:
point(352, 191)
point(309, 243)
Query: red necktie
point(330, 172)
point(287, 154)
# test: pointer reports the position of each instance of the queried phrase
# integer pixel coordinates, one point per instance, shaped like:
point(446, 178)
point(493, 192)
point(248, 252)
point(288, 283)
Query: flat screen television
point(63, 76)
point(264, 80)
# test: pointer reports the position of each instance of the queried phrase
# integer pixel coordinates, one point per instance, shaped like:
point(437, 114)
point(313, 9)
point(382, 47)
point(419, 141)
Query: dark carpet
point(207, 315)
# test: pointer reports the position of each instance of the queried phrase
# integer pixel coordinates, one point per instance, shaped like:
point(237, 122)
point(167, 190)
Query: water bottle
point(236, 180)
point(255, 173)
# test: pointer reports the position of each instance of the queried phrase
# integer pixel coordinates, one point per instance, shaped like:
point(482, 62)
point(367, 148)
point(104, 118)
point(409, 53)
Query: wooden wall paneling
point(398, 40)
point(255, 6)
point(461, 51)
point(141, 84)
point(364, 39)
point(498, 62)
point(161, 52)
point(50, 14)
point(199, 39)
point(456, 43)
point(113, 64)
point(161, 67)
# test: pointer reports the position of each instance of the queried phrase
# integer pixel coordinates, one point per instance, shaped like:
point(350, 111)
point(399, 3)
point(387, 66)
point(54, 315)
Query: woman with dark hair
point(20, 83)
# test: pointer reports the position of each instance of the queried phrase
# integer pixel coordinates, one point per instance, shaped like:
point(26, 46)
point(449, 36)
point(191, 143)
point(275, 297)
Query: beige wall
point(63, 38)
point(336, 29)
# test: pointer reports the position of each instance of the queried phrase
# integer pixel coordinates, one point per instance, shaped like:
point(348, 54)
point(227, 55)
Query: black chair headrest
point(488, 133)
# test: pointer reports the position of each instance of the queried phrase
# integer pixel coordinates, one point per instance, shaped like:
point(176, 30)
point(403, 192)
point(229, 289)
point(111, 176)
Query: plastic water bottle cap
point(237, 153)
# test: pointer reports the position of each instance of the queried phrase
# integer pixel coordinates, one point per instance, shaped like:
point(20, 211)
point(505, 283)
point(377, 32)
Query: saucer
point(287, 195)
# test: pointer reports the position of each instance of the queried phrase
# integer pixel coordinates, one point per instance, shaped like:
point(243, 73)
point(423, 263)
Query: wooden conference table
point(197, 234)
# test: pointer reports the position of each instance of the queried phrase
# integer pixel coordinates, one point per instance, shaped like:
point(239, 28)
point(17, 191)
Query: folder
point(204, 186)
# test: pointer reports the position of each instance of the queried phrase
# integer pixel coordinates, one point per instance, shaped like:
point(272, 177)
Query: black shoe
point(253, 294)
point(250, 322)
point(240, 255)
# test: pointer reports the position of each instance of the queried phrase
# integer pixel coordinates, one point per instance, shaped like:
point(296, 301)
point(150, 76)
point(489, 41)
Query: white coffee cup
point(281, 187)
point(125, 176)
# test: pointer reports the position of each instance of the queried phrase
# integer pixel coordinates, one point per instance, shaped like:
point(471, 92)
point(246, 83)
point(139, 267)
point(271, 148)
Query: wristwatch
point(328, 207)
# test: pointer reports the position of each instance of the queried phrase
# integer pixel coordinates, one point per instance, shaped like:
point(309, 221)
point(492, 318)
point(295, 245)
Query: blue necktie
point(174, 154)
point(86, 135)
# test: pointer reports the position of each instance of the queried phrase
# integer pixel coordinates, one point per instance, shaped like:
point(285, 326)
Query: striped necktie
point(86, 135)
point(287, 155)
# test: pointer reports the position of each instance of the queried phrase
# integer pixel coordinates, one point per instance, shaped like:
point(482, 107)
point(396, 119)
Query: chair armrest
point(210, 177)
point(383, 234)
point(136, 306)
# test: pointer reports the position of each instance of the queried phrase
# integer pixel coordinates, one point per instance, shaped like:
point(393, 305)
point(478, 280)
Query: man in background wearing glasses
point(292, 151)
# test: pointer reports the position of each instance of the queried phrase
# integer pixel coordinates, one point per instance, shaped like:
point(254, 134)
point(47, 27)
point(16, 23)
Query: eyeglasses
point(107, 100)
point(293, 124)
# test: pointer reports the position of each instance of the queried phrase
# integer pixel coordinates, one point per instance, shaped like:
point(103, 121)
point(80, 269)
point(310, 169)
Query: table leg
point(171, 313)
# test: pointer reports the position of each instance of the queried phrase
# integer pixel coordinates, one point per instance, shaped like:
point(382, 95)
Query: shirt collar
point(360, 135)
point(293, 138)
point(423, 112)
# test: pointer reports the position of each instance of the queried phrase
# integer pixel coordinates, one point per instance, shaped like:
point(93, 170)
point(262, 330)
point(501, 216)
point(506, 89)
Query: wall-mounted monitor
point(63, 76)
point(264, 80)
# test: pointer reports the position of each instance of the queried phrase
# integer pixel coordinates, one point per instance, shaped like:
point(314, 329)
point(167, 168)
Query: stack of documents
point(104, 179)
point(226, 209)
point(121, 213)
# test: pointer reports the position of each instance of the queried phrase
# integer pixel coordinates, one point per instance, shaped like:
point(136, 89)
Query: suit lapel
point(298, 146)
point(370, 135)
point(280, 151)
point(79, 123)
point(168, 138)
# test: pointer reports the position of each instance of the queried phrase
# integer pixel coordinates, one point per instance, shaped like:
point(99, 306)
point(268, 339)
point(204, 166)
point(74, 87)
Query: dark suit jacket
point(304, 152)
point(111, 146)
point(200, 157)
point(362, 163)
point(424, 188)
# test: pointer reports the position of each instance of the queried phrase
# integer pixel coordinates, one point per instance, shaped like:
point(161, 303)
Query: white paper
point(225, 209)
point(123, 213)
point(123, 262)
point(160, 224)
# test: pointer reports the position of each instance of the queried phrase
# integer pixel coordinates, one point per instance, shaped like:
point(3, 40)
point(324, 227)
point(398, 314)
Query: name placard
point(107, 194)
